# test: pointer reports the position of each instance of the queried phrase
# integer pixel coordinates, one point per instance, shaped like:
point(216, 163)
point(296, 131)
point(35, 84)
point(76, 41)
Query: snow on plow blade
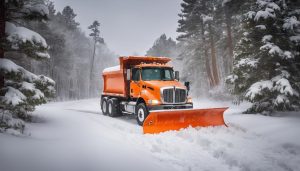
point(160, 121)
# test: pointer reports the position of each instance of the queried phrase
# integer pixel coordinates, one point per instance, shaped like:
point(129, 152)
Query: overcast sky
point(128, 26)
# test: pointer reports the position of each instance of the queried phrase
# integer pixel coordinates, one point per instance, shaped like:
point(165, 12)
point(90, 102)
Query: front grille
point(180, 96)
point(168, 95)
point(173, 95)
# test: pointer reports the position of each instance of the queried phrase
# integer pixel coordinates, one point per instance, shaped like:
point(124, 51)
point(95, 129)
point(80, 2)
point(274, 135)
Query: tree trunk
point(229, 38)
point(2, 37)
point(213, 57)
point(92, 61)
point(92, 67)
point(207, 66)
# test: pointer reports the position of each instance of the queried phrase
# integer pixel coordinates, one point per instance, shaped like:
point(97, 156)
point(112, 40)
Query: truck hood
point(160, 84)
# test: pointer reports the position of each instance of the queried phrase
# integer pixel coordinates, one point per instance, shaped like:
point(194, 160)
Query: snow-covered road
point(75, 136)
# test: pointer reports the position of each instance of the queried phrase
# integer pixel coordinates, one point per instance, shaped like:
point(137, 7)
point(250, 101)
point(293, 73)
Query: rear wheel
point(104, 105)
point(141, 113)
point(113, 107)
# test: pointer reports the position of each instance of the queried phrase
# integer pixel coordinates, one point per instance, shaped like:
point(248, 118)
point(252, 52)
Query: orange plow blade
point(160, 121)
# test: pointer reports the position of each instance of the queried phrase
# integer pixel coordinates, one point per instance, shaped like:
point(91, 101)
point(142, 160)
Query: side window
point(136, 74)
point(167, 75)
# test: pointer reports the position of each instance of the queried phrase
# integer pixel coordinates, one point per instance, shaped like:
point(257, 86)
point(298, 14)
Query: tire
point(104, 105)
point(113, 107)
point(141, 113)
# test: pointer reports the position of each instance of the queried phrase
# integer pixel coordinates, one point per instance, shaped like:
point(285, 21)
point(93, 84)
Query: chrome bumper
point(171, 106)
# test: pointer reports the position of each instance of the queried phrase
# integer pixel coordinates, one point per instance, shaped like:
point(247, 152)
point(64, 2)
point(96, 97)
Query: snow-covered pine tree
point(22, 90)
point(193, 47)
point(68, 16)
point(201, 27)
point(266, 67)
point(163, 46)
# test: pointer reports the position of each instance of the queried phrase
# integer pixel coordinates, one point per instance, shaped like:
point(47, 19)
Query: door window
point(136, 74)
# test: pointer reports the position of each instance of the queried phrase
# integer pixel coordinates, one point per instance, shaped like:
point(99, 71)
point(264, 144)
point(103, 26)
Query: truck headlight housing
point(153, 102)
point(189, 100)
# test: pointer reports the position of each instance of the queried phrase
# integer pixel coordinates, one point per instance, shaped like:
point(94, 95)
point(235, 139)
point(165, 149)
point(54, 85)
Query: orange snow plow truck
point(149, 88)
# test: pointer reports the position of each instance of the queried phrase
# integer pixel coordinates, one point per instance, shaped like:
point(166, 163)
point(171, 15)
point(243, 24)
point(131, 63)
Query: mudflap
point(165, 120)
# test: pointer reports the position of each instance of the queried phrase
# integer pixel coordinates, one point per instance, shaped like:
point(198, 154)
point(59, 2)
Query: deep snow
point(75, 136)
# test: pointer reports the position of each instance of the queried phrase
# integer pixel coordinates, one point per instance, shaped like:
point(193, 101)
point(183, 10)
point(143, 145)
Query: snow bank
point(76, 136)
point(114, 68)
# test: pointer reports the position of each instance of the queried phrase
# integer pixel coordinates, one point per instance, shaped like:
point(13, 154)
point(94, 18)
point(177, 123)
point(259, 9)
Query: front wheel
point(141, 113)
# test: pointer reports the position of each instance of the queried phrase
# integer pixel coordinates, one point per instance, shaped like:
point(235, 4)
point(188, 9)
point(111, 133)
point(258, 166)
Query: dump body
point(114, 82)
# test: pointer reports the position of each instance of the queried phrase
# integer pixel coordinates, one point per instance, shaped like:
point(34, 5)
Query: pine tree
point(266, 66)
point(95, 34)
point(68, 16)
point(209, 31)
point(229, 14)
point(198, 26)
point(163, 46)
point(193, 44)
point(22, 90)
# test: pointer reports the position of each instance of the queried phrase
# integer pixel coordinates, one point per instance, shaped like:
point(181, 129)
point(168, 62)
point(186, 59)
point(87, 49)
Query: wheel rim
point(141, 115)
point(104, 106)
point(109, 108)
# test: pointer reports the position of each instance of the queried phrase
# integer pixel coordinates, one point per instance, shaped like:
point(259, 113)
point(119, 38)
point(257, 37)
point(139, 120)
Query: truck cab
point(141, 85)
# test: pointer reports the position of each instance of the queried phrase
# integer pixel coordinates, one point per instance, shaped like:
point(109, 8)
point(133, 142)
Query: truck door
point(135, 83)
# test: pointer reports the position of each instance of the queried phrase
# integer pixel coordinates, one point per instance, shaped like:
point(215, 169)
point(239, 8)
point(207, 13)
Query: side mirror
point(187, 85)
point(177, 75)
point(128, 74)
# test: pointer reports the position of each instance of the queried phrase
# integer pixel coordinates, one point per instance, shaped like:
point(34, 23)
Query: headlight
point(189, 100)
point(153, 102)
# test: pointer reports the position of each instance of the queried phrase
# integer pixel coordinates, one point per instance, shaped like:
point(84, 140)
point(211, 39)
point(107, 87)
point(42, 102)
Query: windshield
point(165, 74)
